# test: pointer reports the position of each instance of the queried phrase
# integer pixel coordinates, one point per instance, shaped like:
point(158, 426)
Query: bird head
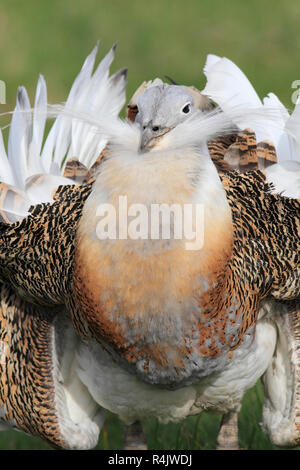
point(160, 109)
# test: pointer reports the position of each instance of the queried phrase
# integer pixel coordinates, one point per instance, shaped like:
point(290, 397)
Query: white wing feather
point(97, 94)
point(6, 173)
point(228, 86)
point(286, 178)
point(19, 138)
point(284, 144)
point(102, 97)
point(35, 163)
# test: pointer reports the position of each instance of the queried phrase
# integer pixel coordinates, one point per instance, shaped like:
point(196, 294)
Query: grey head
point(160, 109)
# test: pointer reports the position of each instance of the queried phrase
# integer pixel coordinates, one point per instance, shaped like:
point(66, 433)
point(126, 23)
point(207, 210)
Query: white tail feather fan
point(230, 88)
point(98, 94)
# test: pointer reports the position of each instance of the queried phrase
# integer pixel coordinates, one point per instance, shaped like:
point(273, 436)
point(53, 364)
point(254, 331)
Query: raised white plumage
point(27, 156)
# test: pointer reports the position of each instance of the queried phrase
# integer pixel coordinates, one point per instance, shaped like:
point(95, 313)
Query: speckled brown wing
point(267, 225)
point(278, 251)
point(75, 170)
point(36, 334)
point(266, 154)
point(93, 171)
point(265, 261)
point(37, 353)
point(241, 152)
point(36, 253)
point(27, 391)
point(281, 416)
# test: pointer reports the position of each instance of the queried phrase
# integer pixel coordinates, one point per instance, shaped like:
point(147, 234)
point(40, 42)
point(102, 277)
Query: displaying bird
point(139, 325)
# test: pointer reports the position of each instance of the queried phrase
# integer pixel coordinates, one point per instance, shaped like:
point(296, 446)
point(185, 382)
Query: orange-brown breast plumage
point(131, 296)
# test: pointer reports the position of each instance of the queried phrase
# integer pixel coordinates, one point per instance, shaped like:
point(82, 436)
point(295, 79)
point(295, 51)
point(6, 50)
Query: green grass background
point(154, 38)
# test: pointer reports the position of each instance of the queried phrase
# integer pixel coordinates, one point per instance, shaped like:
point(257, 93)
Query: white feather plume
point(96, 93)
point(230, 88)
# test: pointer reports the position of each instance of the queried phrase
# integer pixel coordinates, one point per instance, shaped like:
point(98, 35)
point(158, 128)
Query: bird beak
point(151, 138)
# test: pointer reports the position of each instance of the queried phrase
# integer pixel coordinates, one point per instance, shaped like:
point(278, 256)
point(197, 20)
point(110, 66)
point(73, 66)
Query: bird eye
point(186, 109)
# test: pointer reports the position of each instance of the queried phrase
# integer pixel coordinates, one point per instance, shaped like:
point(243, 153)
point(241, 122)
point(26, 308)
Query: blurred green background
point(155, 38)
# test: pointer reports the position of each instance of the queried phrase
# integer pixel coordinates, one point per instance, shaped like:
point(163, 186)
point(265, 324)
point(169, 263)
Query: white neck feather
point(158, 177)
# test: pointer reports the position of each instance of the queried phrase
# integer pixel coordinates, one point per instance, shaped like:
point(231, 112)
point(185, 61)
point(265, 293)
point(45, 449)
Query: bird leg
point(228, 433)
point(134, 437)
